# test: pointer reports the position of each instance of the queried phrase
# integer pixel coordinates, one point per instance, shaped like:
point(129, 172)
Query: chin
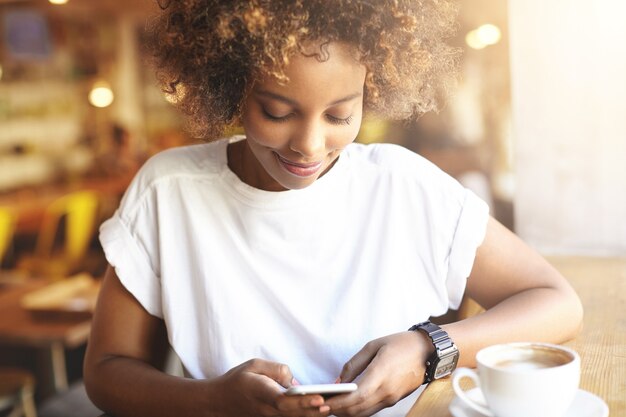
point(296, 185)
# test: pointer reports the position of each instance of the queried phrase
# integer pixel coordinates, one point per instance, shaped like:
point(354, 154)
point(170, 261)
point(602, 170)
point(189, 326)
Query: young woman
point(292, 255)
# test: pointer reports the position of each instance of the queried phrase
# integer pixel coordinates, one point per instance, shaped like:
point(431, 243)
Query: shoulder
point(198, 160)
point(204, 158)
point(394, 160)
point(394, 170)
point(175, 168)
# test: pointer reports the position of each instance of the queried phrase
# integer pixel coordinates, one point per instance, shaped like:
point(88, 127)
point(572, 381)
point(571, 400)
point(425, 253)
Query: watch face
point(445, 366)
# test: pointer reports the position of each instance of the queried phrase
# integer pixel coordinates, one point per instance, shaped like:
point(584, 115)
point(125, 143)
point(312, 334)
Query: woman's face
point(296, 131)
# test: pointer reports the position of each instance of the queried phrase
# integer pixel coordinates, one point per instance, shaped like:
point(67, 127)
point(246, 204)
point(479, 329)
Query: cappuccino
point(522, 380)
point(531, 357)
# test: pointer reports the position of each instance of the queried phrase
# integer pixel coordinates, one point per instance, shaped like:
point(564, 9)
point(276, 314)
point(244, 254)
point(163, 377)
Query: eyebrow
point(295, 103)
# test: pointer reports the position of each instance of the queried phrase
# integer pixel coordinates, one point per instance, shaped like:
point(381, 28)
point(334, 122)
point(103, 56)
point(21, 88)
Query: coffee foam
point(527, 358)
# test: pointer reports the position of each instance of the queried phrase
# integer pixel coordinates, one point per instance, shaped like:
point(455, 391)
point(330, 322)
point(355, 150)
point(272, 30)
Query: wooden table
point(601, 285)
point(51, 337)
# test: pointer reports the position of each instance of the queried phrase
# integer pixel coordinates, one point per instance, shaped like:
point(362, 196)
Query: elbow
point(580, 314)
point(91, 386)
point(92, 379)
point(575, 316)
point(89, 372)
point(97, 394)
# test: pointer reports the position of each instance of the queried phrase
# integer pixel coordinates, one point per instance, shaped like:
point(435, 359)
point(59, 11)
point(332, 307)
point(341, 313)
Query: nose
point(309, 141)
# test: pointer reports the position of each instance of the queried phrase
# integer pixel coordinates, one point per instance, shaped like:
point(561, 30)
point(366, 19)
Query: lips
point(297, 168)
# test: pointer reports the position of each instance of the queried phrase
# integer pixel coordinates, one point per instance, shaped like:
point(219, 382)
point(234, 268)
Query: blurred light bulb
point(473, 41)
point(489, 34)
point(58, 1)
point(0, 72)
point(101, 95)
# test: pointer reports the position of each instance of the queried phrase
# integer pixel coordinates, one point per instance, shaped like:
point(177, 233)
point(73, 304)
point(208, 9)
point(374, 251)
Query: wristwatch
point(446, 355)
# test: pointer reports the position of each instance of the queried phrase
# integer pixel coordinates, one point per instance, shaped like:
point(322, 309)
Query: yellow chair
point(7, 227)
point(16, 393)
point(81, 213)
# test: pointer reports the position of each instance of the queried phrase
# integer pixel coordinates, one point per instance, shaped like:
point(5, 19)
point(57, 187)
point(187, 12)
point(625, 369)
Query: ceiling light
point(483, 36)
point(473, 41)
point(101, 95)
point(489, 34)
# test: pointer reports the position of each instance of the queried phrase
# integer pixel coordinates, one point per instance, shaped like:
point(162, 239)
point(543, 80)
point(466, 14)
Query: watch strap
point(443, 344)
point(439, 337)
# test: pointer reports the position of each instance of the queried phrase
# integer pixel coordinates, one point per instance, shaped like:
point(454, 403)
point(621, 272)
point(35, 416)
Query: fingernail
point(338, 380)
point(294, 381)
point(324, 409)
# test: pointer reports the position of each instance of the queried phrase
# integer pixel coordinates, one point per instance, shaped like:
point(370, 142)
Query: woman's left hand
point(386, 370)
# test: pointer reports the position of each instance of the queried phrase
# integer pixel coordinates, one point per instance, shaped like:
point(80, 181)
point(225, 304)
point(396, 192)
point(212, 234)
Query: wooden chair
point(80, 211)
point(16, 393)
point(7, 227)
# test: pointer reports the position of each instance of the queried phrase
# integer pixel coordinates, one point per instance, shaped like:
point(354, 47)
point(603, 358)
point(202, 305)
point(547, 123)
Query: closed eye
point(331, 119)
point(339, 121)
point(273, 118)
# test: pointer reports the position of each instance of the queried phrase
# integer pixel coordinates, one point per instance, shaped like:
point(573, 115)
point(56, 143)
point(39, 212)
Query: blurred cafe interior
point(535, 125)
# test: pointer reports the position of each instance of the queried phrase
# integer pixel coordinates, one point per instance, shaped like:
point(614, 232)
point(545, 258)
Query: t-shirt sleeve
point(468, 236)
point(130, 243)
point(451, 219)
point(131, 265)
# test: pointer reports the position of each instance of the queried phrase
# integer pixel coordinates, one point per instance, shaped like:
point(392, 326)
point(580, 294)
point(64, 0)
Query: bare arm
point(525, 298)
point(121, 365)
point(122, 375)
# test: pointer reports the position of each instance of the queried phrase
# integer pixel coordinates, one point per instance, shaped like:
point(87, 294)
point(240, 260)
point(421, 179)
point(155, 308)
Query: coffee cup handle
point(461, 373)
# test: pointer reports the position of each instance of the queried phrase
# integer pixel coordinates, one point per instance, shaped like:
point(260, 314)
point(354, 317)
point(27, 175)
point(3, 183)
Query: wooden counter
point(601, 285)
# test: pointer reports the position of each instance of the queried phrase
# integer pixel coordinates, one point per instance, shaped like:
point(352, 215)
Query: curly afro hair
point(207, 52)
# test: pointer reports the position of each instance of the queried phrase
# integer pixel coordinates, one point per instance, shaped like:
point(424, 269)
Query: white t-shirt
point(303, 277)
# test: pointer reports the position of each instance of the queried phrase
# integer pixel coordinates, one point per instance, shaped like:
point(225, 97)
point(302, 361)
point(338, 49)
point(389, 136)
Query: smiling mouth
point(298, 169)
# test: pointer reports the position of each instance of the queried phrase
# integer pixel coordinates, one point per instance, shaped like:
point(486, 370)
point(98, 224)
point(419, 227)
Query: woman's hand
point(122, 376)
point(386, 370)
point(254, 389)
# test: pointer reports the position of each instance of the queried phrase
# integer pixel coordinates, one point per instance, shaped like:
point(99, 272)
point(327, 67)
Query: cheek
point(340, 139)
point(347, 134)
point(264, 132)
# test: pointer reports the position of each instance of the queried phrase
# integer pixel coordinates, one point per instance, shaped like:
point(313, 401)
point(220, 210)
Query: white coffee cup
point(523, 380)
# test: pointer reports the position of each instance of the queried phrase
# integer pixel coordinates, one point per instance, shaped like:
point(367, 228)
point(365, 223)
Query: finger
point(271, 401)
point(360, 407)
point(305, 405)
point(277, 371)
point(287, 402)
point(264, 389)
point(353, 403)
point(359, 362)
point(366, 397)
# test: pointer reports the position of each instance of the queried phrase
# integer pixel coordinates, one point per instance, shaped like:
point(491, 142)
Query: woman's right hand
point(255, 388)
point(123, 374)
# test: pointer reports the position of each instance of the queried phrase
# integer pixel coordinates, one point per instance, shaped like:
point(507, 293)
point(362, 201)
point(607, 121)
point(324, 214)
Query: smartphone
point(322, 389)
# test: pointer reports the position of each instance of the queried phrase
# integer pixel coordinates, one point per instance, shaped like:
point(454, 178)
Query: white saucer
point(585, 404)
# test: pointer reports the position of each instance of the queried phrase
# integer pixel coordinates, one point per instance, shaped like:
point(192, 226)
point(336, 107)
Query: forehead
point(311, 79)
